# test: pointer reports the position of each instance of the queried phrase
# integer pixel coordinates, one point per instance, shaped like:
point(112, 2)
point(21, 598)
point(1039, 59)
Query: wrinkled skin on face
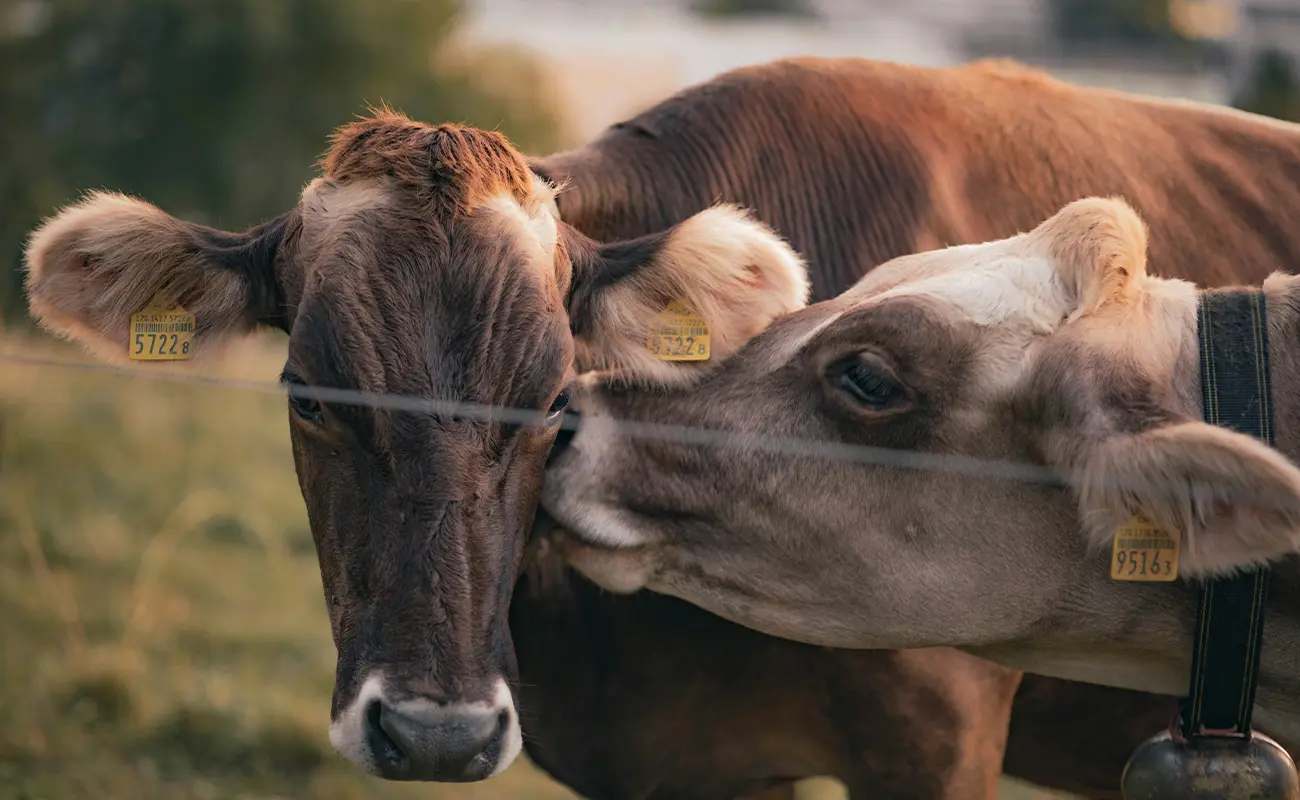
point(427, 263)
point(1052, 350)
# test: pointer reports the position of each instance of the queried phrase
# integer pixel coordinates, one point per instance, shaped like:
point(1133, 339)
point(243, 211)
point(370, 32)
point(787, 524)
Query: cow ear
point(97, 262)
point(1234, 501)
point(718, 278)
point(1099, 248)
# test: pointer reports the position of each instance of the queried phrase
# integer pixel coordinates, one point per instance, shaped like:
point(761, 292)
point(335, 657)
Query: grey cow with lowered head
point(1054, 347)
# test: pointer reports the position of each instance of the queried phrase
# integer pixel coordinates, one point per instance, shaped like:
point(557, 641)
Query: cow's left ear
point(664, 308)
point(1235, 501)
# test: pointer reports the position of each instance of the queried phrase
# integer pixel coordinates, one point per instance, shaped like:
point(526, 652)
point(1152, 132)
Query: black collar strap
point(1237, 392)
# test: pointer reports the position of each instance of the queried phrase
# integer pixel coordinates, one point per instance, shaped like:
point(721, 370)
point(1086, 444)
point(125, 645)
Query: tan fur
point(1100, 248)
point(327, 203)
point(453, 167)
point(104, 258)
point(722, 264)
point(538, 229)
point(1235, 501)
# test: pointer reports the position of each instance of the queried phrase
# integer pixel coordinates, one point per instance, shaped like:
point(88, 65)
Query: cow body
point(650, 697)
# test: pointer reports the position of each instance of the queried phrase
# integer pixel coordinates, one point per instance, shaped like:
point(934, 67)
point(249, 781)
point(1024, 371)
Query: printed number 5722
point(160, 344)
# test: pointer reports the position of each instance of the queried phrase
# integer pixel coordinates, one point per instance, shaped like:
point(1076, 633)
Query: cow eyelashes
point(868, 382)
point(306, 408)
point(556, 411)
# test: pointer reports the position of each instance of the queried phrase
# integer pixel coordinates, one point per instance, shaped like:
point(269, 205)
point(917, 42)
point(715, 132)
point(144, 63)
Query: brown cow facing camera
point(426, 261)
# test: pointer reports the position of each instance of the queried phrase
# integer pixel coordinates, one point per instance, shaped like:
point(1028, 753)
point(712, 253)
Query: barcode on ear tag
point(679, 334)
point(161, 334)
point(1143, 551)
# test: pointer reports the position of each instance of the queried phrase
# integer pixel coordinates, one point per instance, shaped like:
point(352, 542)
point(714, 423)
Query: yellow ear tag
point(1144, 552)
point(678, 334)
point(161, 334)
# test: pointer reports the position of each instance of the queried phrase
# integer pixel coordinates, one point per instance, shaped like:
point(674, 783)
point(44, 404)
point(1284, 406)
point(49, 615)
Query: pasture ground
point(162, 629)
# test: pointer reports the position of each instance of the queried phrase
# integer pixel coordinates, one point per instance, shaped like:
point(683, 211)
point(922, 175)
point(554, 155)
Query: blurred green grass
point(162, 626)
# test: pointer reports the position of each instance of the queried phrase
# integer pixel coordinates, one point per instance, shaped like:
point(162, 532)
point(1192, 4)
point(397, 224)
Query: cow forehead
point(388, 298)
point(1004, 295)
point(993, 284)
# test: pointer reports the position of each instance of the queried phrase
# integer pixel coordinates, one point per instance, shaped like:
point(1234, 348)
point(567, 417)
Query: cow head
point(1010, 404)
point(426, 261)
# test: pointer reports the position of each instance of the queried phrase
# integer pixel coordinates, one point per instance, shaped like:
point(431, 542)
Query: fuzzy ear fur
point(1235, 501)
point(722, 264)
point(104, 258)
point(1100, 248)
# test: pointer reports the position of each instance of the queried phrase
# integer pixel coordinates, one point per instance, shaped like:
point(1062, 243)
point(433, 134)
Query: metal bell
point(1257, 768)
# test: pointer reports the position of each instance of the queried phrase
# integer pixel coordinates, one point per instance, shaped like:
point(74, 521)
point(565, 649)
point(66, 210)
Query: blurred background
point(162, 631)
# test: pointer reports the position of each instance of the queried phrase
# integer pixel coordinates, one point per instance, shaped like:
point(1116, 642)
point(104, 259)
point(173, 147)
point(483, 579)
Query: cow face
point(426, 262)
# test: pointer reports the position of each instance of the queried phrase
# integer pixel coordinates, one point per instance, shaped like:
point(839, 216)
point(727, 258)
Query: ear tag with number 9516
point(1143, 551)
point(161, 334)
point(678, 334)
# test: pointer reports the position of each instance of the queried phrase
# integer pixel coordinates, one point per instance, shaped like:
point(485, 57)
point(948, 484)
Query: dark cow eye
point(307, 408)
point(869, 382)
point(556, 412)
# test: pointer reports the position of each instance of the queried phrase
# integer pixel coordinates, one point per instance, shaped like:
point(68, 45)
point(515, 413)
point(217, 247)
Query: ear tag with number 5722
point(678, 334)
point(1143, 551)
point(161, 334)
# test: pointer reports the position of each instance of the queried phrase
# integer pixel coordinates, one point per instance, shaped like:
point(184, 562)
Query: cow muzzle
point(419, 739)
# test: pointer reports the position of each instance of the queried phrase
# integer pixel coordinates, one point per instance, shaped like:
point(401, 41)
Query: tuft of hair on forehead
point(454, 167)
point(1099, 246)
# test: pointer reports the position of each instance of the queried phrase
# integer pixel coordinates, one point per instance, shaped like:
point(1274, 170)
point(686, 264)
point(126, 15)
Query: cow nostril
point(431, 742)
point(381, 744)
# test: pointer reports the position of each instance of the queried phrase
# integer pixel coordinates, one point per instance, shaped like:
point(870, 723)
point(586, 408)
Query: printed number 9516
point(1137, 562)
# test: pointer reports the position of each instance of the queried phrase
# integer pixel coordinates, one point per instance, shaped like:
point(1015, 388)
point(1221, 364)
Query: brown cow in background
point(857, 162)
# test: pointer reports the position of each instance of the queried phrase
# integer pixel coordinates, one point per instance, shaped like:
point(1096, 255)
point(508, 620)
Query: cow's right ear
point(109, 256)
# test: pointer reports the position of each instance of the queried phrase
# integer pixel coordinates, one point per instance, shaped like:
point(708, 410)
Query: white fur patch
point(325, 203)
point(539, 228)
point(1005, 289)
point(348, 732)
point(512, 740)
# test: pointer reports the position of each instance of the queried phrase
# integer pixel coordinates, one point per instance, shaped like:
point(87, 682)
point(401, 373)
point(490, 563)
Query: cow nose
point(432, 742)
point(564, 437)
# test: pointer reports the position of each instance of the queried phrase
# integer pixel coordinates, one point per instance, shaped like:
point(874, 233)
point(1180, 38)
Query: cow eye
point(868, 381)
point(556, 412)
point(306, 408)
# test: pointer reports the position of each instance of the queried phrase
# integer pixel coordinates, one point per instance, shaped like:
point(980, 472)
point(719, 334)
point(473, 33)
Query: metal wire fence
point(696, 435)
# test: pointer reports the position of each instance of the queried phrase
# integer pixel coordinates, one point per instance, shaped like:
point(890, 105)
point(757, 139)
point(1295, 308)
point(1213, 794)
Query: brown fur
point(650, 697)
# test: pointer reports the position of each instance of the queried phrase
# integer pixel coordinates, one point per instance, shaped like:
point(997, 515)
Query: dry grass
point(162, 630)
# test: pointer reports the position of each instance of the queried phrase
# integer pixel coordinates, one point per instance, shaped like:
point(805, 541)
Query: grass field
point(162, 629)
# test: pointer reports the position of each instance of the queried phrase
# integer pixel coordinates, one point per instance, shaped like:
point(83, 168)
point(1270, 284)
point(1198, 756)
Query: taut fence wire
point(975, 466)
